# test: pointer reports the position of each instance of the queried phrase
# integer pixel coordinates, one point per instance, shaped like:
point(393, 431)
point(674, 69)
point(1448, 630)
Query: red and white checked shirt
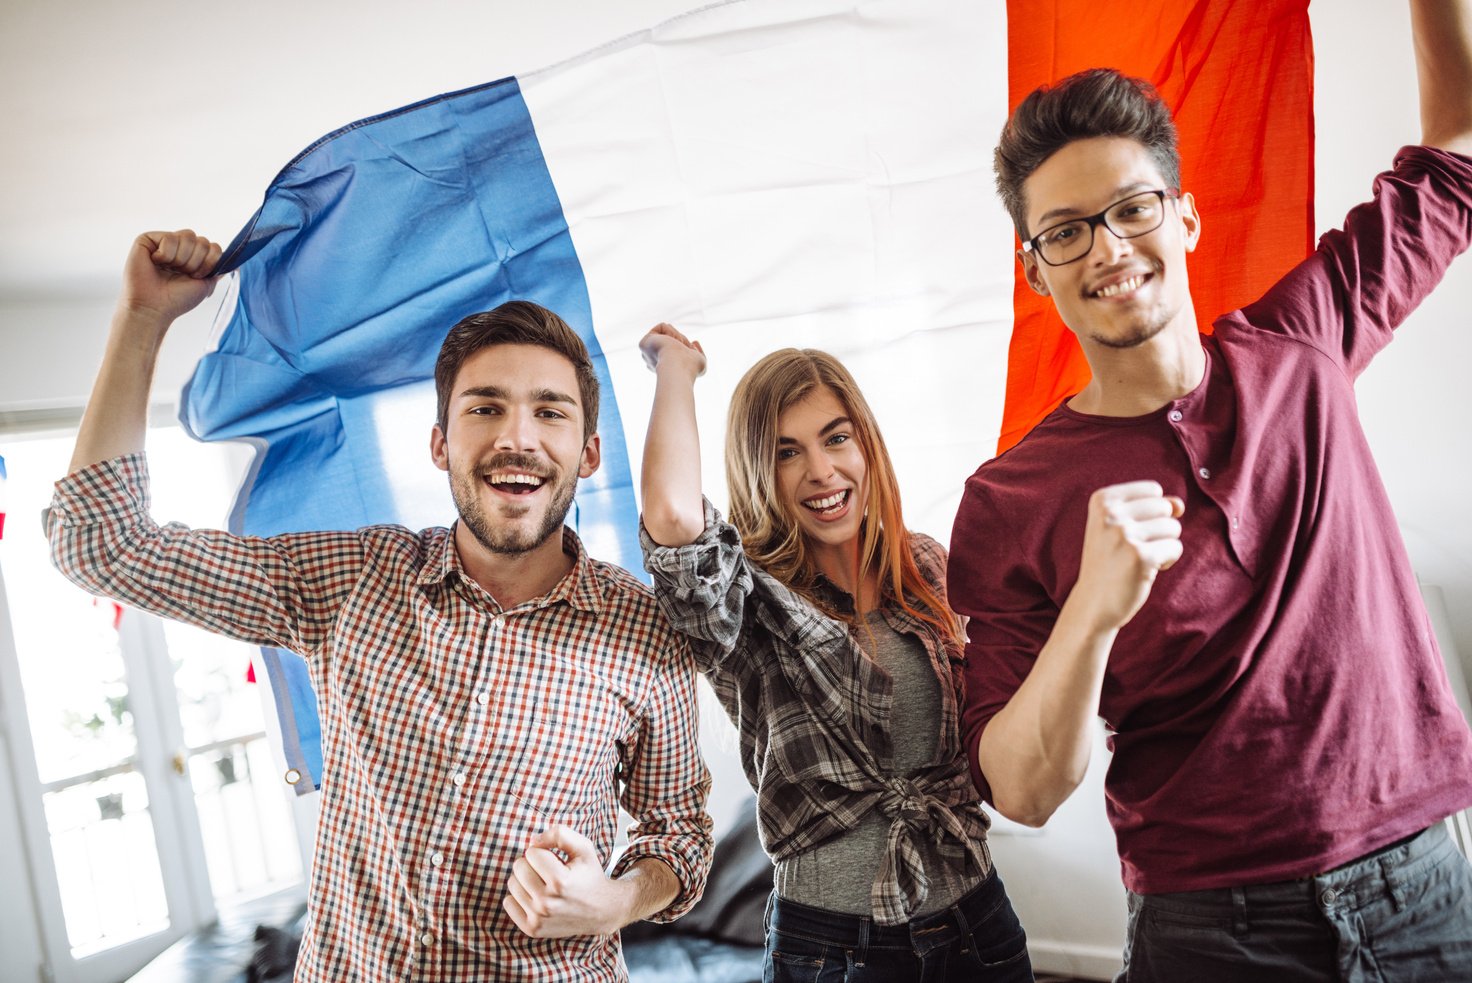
point(452, 730)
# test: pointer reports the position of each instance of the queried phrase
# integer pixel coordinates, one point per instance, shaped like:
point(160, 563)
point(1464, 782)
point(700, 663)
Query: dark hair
point(516, 322)
point(1099, 102)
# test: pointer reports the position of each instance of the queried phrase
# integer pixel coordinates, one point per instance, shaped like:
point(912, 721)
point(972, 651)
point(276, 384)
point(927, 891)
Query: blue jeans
point(977, 940)
point(1400, 913)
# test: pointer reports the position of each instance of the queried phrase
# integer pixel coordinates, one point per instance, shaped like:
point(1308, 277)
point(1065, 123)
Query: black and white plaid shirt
point(813, 715)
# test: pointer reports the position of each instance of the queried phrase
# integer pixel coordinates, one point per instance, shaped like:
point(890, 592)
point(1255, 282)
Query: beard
point(1142, 333)
point(503, 534)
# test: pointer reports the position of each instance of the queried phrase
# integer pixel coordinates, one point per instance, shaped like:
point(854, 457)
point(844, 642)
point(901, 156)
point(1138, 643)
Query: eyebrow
point(536, 395)
point(833, 425)
point(1123, 191)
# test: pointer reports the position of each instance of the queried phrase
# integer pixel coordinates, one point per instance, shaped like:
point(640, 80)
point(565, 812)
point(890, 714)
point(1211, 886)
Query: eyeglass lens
point(1134, 216)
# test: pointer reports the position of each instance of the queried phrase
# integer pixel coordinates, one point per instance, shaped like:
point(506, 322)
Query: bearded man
point(489, 694)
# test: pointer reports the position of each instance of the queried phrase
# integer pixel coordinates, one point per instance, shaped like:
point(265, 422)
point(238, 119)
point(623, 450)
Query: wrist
point(623, 904)
point(680, 365)
point(647, 887)
point(1090, 621)
point(137, 329)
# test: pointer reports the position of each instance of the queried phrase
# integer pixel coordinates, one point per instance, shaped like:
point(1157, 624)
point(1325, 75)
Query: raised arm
point(166, 275)
point(286, 591)
point(1033, 753)
point(674, 513)
point(1442, 30)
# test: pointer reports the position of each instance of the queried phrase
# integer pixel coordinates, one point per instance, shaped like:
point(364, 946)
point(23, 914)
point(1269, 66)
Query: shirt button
point(436, 859)
point(1204, 472)
point(1176, 416)
point(427, 938)
point(458, 779)
point(1236, 521)
point(482, 697)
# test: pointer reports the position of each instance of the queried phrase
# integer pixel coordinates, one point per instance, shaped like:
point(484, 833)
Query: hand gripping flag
point(762, 173)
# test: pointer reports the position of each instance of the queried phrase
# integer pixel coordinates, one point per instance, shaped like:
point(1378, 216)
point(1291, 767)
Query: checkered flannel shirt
point(813, 714)
point(452, 730)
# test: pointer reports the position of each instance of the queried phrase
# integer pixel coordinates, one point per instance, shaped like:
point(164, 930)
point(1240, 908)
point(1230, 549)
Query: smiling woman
point(822, 624)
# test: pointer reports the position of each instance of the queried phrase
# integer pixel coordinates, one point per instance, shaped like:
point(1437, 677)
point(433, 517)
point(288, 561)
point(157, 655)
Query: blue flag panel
point(368, 247)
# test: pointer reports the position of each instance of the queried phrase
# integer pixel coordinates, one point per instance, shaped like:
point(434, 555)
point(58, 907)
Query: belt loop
point(962, 923)
point(1393, 886)
point(863, 950)
point(1239, 911)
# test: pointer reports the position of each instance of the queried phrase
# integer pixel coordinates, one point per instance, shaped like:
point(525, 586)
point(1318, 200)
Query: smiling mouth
point(1122, 287)
point(829, 504)
point(515, 482)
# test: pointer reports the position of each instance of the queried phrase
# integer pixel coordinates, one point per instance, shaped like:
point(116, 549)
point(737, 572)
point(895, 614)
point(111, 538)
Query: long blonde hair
point(768, 523)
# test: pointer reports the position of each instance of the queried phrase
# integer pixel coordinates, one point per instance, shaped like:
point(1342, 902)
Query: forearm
point(285, 592)
point(116, 417)
point(674, 513)
point(1443, 37)
point(1035, 751)
point(166, 274)
point(647, 887)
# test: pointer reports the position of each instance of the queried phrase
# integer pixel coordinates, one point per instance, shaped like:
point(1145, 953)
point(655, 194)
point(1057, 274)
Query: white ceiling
point(124, 116)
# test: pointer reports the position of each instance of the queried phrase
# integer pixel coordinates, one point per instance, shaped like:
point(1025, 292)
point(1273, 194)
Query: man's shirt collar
point(579, 588)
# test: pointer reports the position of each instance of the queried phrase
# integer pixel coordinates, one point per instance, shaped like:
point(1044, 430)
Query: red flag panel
point(1239, 78)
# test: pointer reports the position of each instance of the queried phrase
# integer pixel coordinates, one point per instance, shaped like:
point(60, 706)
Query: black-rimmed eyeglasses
point(1130, 217)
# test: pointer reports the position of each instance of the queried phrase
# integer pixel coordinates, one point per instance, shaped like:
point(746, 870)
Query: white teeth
point(824, 504)
point(1124, 286)
point(515, 478)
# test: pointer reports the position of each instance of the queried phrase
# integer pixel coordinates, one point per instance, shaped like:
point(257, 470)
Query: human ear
point(592, 457)
point(1033, 272)
point(1191, 221)
point(438, 452)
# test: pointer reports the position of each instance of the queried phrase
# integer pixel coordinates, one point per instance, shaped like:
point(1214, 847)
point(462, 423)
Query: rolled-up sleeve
point(1365, 279)
point(283, 591)
point(667, 784)
point(702, 587)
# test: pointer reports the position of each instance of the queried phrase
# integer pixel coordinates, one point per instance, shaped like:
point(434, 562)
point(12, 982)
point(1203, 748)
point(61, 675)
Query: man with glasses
point(1221, 577)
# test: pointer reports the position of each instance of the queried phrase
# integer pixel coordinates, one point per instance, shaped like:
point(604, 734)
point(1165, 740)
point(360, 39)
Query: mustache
point(515, 461)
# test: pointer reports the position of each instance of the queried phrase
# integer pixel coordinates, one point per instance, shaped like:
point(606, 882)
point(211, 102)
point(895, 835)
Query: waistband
point(860, 932)
point(1383, 873)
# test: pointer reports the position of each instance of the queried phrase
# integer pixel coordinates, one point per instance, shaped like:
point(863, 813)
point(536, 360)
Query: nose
point(1107, 247)
point(819, 468)
point(517, 431)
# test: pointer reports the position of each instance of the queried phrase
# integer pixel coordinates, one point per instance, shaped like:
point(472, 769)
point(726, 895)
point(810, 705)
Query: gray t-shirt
point(837, 875)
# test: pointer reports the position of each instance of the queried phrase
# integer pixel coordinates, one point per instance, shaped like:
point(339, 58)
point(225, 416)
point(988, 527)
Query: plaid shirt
point(813, 714)
point(453, 730)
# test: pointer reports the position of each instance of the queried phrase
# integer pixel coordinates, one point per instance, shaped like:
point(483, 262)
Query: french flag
point(762, 173)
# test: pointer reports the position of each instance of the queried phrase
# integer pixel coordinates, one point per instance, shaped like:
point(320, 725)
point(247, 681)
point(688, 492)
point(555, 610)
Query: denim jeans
point(977, 940)
point(1400, 913)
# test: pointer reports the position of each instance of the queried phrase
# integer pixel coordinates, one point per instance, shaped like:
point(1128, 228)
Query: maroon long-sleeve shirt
point(1278, 706)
